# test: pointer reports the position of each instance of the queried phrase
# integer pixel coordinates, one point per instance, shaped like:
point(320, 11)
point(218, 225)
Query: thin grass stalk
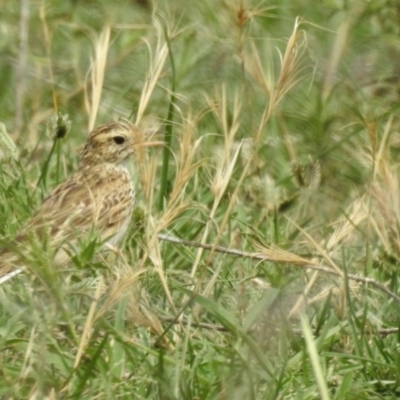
point(21, 71)
point(43, 173)
point(300, 303)
point(97, 73)
point(321, 251)
point(281, 256)
point(156, 65)
point(155, 256)
point(287, 78)
point(47, 41)
point(314, 358)
point(186, 167)
point(29, 351)
point(381, 165)
point(339, 46)
point(89, 323)
point(222, 177)
point(221, 229)
point(168, 129)
point(348, 224)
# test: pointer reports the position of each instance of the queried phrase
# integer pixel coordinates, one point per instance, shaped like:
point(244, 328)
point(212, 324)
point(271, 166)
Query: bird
point(99, 197)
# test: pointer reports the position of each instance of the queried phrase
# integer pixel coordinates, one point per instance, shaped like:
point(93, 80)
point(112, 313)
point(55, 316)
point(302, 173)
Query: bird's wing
point(90, 199)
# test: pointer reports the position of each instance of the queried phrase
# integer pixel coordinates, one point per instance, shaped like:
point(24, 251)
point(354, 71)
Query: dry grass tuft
point(97, 73)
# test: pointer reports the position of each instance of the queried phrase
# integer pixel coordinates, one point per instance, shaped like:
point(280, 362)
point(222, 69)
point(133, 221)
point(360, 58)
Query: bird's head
point(114, 143)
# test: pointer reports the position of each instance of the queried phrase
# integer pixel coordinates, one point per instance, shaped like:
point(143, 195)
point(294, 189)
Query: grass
point(262, 258)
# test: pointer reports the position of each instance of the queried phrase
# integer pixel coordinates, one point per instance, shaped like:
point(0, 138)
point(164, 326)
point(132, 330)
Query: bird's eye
point(119, 139)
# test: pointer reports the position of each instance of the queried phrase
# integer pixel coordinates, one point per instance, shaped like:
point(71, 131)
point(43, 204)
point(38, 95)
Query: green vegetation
point(283, 134)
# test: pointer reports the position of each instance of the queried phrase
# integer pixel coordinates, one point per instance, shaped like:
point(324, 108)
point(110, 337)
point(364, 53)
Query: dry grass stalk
point(122, 284)
point(346, 226)
point(226, 162)
point(97, 73)
point(29, 353)
point(186, 168)
point(22, 67)
point(339, 47)
point(147, 173)
point(179, 201)
point(386, 221)
point(302, 300)
point(282, 256)
point(221, 229)
point(126, 285)
point(319, 248)
point(89, 322)
point(385, 218)
point(288, 77)
point(382, 166)
point(156, 66)
point(154, 254)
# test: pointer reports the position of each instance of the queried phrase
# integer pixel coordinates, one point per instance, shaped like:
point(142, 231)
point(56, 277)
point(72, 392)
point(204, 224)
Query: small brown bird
point(99, 197)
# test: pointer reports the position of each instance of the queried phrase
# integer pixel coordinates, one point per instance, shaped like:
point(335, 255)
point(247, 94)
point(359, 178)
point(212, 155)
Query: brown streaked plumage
point(99, 197)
